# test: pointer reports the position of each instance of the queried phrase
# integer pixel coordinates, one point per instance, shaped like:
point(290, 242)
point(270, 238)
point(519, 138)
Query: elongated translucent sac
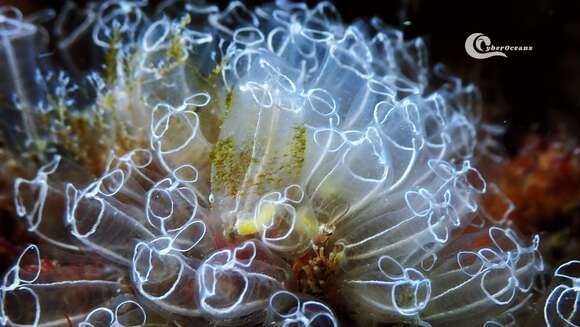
point(235, 284)
point(285, 309)
point(29, 290)
point(486, 280)
point(98, 220)
point(41, 202)
point(426, 216)
point(18, 51)
point(389, 290)
point(102, 211)
point(176, 133)
point(277, 209)
point(165, 278)
point(562, 305)
point(176, 138)
point(132, 202)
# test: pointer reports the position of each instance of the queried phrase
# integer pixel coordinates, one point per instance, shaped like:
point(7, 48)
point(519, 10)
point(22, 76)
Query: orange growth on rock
point(543, 181)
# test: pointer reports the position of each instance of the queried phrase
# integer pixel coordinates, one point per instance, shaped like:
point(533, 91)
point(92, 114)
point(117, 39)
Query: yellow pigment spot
point(251, 226)
point(175, 51)
point(229, 100)
point(306, 222)
point(111, 57)
point(109, 101)
point(214, 75)
point(246, 227)
point(298, 149)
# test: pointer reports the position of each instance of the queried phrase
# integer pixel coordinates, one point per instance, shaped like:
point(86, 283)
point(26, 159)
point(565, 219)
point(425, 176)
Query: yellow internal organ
point(251, 226)
point(306, 223)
